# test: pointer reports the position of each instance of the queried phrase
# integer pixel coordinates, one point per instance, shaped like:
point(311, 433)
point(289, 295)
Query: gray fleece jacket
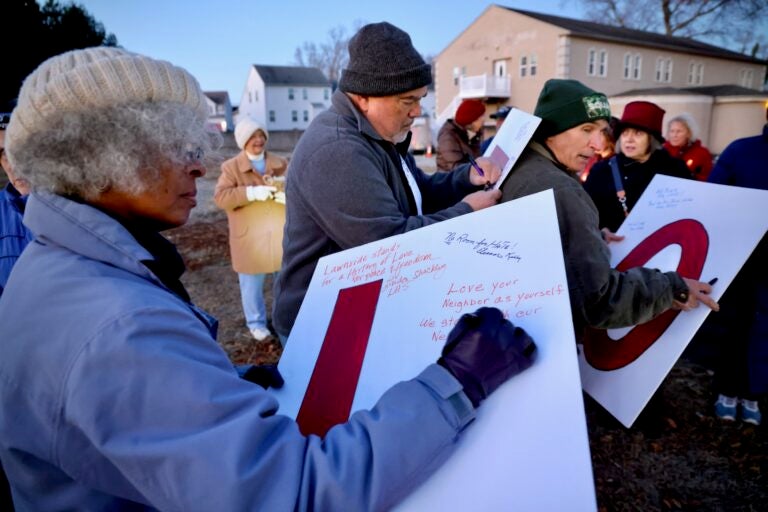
point(345, 188)
point(600, 295)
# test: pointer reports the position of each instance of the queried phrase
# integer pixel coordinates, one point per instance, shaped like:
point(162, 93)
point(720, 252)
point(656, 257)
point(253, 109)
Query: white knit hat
point(245, 128)
point(94, 78)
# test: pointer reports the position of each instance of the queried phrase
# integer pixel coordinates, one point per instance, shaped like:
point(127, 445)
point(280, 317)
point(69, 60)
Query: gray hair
point(686, 119)
point(125, 147)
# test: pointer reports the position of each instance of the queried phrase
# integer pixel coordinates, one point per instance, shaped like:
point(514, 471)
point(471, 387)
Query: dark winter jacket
point(635, 177)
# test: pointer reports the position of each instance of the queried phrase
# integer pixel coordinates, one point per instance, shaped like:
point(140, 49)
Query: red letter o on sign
point(602, 352)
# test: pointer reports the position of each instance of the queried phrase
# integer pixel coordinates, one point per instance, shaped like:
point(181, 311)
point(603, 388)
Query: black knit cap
point(383, 62)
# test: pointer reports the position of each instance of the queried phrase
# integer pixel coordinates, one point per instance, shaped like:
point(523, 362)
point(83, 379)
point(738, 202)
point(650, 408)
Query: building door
point(500, 68)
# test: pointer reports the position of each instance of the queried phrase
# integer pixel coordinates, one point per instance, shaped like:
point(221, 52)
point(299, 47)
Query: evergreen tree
point(37, 33)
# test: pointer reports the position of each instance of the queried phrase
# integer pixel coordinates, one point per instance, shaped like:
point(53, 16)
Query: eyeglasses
point(194, 155)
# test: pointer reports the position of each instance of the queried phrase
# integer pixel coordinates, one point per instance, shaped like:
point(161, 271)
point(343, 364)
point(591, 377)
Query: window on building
point(303, 94)
point(597, 62)
point(746, 78)
point(664, 69)
point(306, 116)
point(523, 66)
point(326, 93)
point(627, 66)
point(603, 66)
point(695, 73)
point(271, 116)
point(256, 96)
point(534, 64)
point(456, 75)
point(632, 65)
point(250, 100)
point(294, 116)
point(290, 94)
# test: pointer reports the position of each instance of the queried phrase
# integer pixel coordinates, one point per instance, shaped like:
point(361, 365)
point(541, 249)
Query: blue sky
point(217, 41)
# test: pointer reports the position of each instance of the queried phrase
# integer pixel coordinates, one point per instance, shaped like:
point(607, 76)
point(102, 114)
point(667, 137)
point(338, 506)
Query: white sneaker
point(260, 333)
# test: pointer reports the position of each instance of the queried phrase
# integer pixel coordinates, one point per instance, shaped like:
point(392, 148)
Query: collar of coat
point(244, 164)
point(346, 108)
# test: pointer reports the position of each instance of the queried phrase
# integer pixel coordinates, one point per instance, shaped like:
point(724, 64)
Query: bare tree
point(330, 56)
point(732, 22)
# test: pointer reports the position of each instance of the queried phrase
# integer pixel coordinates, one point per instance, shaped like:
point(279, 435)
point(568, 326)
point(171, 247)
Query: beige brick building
point(505, 56)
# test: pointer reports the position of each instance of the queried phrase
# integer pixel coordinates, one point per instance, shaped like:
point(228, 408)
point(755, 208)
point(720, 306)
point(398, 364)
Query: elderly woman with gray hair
point(683, 143)
point(113, 391)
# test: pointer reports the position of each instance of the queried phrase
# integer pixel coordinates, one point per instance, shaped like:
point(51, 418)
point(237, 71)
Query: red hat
point(468, 112)
point(642, 115)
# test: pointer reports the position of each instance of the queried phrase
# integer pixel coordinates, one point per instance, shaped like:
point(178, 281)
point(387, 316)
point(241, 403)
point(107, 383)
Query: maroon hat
point(468, 112)
point(642, 115)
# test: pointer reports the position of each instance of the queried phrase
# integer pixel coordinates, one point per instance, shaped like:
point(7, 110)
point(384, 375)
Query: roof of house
point(218, 97)
point(592, 30)
point(707, 90)
point(291, 75)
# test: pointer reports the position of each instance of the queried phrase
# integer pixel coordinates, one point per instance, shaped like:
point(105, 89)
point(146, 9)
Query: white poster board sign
point(507, 145)
point(703, 231)
point(532, 431)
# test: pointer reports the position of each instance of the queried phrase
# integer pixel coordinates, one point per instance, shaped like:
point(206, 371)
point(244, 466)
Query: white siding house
point(284, 98)
point(219, 110)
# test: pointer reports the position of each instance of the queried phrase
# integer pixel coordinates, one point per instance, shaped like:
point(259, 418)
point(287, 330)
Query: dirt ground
point(676, 457)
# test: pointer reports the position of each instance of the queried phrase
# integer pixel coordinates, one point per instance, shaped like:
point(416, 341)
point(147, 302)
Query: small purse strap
point(620, 194)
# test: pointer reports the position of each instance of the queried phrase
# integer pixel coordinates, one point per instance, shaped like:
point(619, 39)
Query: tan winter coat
point(255, 227)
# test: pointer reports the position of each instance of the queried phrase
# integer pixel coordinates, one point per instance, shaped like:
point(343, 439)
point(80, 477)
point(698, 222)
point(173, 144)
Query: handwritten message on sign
point(425, 280)
point(681, 225)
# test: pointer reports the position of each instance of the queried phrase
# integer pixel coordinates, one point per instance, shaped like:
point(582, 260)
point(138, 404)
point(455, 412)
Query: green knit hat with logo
point(564, 104)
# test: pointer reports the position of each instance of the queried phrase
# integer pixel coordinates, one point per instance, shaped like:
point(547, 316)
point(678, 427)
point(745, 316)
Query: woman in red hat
point(460, 137)
point(616, 184)
point(683, 143)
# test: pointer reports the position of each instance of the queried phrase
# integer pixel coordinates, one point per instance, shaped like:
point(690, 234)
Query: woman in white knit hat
point(114, 394)
point(250, 189)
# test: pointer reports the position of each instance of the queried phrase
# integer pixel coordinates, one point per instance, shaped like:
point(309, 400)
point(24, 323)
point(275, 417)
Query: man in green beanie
point(572, 118)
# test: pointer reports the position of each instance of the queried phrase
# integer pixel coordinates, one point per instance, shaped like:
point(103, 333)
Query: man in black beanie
point(351, 180)
point(572, 117)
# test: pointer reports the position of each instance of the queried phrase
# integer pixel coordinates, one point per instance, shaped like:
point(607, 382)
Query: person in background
point(572, 119)
point(129, 403)
point(499, 116)
point(741, 326)
point(460, 137)
point(247, 181)
point(351, 179)
point(14, 236)
point(639, 158)
point(606, 147)
point(683, 143)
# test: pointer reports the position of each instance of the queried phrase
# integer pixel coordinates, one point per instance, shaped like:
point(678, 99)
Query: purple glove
point(266, 376)
point(484, 350)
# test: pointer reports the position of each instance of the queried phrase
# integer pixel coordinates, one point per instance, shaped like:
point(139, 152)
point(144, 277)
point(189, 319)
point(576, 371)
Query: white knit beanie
point(245, 129)
point(95, 78)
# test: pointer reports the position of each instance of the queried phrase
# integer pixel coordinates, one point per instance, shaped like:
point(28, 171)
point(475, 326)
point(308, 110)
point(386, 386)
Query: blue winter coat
point(115, 395)
point(14, 236)
point(744, 163)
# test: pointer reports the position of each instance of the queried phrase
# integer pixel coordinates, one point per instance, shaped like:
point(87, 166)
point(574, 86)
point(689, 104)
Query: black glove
point(484, 350)
point(266, 376)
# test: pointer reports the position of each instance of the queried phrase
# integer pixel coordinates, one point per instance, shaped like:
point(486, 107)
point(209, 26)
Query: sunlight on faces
point(575, 146)
point(635, 144)
point(255, 145)
point(678, 134)
point(392, 116)
point(166, 203)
